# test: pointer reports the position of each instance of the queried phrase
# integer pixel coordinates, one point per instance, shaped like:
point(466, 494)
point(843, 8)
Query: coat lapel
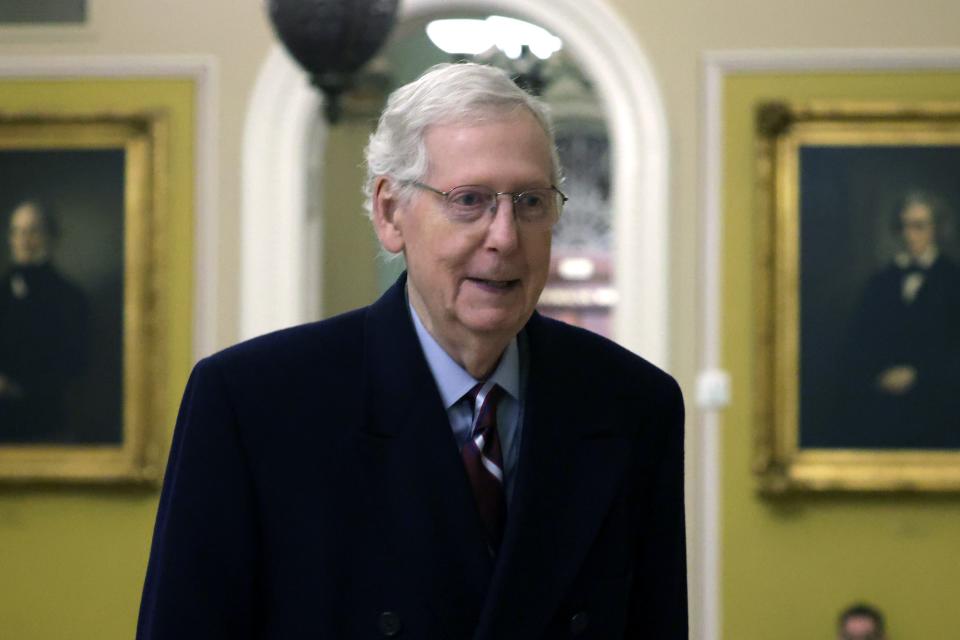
point(572, 460)
point(438, 525)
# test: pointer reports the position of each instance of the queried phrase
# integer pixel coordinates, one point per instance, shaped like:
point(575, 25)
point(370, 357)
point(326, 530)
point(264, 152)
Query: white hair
point(445, 93)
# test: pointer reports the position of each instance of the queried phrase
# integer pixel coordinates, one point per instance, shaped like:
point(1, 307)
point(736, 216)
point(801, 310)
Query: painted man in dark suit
point(43, 331)
point(445, 463)
point(905, 345)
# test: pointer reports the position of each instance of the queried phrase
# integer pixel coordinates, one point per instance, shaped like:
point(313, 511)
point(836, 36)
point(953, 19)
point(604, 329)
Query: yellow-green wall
point(789, 565)
point(349, 244)
point(72, 559)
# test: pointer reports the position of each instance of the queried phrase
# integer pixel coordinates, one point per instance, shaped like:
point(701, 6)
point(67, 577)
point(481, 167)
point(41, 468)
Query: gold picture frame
point(119, 159)
point(831, 183)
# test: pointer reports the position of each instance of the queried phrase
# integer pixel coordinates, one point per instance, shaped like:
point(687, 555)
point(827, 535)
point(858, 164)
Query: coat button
point(389, 624)
point(578, 623)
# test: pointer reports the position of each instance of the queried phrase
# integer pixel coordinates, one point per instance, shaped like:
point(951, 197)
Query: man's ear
point(386, 204)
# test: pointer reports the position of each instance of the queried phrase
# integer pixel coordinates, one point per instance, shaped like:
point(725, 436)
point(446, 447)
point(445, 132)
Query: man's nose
point(502, 234)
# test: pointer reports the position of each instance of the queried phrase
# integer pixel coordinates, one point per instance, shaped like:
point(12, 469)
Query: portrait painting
point(61, 306)
point(859, 331)
point(77, 202)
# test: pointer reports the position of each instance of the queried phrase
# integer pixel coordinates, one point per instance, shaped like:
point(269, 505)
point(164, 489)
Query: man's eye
point(531, 200)
point(468, 199)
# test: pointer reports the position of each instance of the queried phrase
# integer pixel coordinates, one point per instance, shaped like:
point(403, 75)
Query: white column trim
point(708, 494)
point(716, 66)
point(203, 71)
point(815, 60)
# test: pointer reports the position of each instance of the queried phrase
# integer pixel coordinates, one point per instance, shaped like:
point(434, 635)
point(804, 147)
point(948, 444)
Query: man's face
point(482, 279)
point(859, 628)
point(918, 228)
point(29, 242)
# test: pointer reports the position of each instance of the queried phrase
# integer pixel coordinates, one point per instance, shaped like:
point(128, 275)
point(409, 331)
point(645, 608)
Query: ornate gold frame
point(138, 459)
point(780, 464)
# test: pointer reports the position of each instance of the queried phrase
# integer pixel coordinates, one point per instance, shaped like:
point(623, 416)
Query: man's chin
point(495, 322)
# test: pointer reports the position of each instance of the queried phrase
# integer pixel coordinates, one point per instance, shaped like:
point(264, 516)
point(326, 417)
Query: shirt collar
point(452, 380)
point(903, 259)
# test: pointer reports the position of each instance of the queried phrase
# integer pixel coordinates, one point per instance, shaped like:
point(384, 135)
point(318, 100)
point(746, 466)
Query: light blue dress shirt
point(454, 382)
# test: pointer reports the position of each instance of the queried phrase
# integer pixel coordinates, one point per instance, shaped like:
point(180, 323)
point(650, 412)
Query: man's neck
point(478, 357)
point(478, 354)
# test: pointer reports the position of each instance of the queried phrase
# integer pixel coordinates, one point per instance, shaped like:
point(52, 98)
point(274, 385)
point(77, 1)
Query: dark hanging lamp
point(332, 39)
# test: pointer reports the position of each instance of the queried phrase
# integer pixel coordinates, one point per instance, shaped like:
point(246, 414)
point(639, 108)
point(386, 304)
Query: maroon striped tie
point(484, 461)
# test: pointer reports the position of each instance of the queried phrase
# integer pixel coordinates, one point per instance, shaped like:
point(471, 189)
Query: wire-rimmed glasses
point(469, 203)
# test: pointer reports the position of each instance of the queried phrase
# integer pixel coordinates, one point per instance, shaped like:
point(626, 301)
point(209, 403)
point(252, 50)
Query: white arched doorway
point(280, 277)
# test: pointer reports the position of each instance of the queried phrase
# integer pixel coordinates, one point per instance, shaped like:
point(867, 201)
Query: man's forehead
point(485, 119)
point(28, 216)
point(26, 213)
point(484, 113)
point(437, 135)
point(859, 625)
point(918, 209)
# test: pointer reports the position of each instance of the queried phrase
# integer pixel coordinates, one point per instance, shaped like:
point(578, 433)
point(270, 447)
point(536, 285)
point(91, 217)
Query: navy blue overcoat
point(314, 490)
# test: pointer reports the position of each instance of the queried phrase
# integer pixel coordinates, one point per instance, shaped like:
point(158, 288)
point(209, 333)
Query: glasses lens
point(469, 203)
point(537, 205)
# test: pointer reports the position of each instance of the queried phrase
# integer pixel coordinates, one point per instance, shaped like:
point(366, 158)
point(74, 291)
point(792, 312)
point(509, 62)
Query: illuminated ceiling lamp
point(520, 47)
point(509, 35)
point(332, 39)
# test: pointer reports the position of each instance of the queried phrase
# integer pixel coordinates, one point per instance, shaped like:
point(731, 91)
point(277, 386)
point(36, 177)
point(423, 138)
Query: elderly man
point(43, 332)
point(445, 463)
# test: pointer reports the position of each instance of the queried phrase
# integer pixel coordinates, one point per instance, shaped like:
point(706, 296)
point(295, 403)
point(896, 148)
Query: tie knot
point(471, 395)
point(484, 395)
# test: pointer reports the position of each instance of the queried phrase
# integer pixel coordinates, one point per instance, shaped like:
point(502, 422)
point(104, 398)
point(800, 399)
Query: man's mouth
point(501, 285)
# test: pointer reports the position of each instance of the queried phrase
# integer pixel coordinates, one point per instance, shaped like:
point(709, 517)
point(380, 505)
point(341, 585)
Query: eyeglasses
point(469, 203)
